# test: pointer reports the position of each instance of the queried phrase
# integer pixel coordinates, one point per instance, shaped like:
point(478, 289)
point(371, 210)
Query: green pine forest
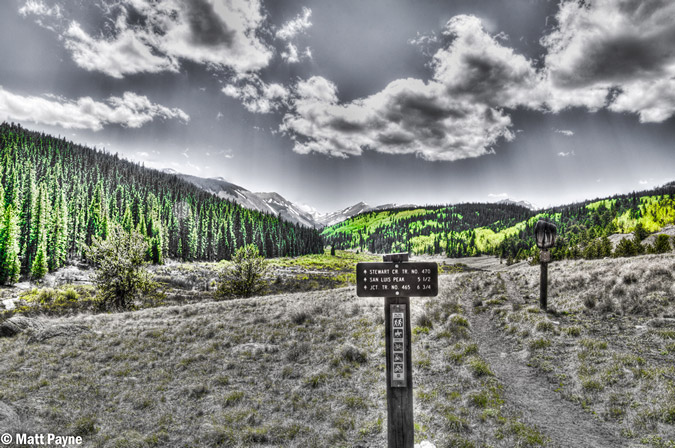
point(56, 196)
point(506, 230)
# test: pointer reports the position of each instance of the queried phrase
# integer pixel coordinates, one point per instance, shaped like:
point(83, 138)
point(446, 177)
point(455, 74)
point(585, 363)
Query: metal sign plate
point(398, 346)
point(391, 279)
point(545, 256)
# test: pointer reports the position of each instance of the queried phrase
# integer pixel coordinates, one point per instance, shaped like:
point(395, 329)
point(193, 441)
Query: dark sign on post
point(397, 280)
point(544, 234)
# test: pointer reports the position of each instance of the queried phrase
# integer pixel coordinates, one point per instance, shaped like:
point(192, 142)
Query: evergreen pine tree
point(10, 266)
point(662, 245)
point(39, 266)
point(58, 238)
point(26, 244)
point(127, 220)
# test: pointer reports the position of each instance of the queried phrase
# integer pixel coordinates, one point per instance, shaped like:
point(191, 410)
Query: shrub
point(298, 350)
point(479, 367)
point(350, 353)
point(573, 331)
point(70, 294)
point(544, 326)
point(459, 321)
point(316, 380)
point(301, 317)
point(85, 426)
point(424, 320)
point(540, 343)
point(121, 273)
point(662, 245)
point(233, 398)
point(245, 276)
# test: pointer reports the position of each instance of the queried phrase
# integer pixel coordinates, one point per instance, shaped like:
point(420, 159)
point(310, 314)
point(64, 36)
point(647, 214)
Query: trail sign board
point(402, 279)
point(397, 280)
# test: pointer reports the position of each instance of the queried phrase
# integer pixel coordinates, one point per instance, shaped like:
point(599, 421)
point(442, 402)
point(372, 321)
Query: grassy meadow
point(307, 369)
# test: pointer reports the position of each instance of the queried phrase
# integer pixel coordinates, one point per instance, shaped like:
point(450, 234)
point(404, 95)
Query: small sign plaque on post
point(545, 256)
point(398, 344)
point(397, 280)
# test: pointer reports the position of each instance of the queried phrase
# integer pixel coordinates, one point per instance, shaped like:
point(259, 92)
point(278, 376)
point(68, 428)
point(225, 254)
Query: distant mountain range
point(278, 205)
point(525, 204)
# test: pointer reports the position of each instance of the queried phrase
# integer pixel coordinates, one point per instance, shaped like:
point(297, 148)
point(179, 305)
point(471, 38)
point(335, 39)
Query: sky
point(331, 103)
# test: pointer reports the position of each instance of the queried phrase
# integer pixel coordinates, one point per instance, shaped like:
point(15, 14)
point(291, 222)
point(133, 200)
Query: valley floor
point(307, 369)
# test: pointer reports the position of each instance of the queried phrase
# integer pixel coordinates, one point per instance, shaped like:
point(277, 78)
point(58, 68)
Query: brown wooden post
point(400, 427)
point(397, 280)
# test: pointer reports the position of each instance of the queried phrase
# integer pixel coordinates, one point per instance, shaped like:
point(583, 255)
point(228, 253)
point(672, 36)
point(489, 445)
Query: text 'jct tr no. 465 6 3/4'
point(397, 279)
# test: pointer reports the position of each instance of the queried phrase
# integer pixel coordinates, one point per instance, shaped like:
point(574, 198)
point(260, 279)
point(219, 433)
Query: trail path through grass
point(566, 424)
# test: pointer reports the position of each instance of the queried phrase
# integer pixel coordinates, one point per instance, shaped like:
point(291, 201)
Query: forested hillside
point(506, 229)
point(55, 196)
point(434, 229)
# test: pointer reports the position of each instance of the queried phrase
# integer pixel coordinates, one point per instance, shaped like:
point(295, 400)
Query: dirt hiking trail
point(566, 424)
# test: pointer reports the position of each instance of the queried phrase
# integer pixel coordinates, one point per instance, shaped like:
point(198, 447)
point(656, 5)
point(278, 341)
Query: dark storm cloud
point(608, 45)
point(342, 124)
point(620, 57)
point(135, 18)
point(408, 116)
point(206, 26)
point(485, 78)
point(417, 109)
point(394, 139)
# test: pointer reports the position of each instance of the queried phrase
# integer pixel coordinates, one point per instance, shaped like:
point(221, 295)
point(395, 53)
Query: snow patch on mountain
point(525, 204)
point(288, 210)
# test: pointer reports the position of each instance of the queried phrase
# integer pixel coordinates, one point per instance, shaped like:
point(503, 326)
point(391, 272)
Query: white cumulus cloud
point(39, 8)
point(149, 36)
point(478, 67)
point(566, 154)
point(408, 116)
point(256, 95)
point(130, 110)
point(126, 53)
point(296, 26)
point(456, 115)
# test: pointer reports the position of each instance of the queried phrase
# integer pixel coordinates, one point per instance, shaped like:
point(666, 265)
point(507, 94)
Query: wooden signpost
point(544, 233)
point(397, 280)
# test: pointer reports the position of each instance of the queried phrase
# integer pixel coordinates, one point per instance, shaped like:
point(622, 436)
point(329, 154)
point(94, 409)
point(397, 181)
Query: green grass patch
point(479, 368)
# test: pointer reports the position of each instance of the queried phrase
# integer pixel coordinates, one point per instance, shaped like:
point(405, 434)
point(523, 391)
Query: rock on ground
point(53, 331)
point(425, 444)
point(17, 324)
point(8, 418)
